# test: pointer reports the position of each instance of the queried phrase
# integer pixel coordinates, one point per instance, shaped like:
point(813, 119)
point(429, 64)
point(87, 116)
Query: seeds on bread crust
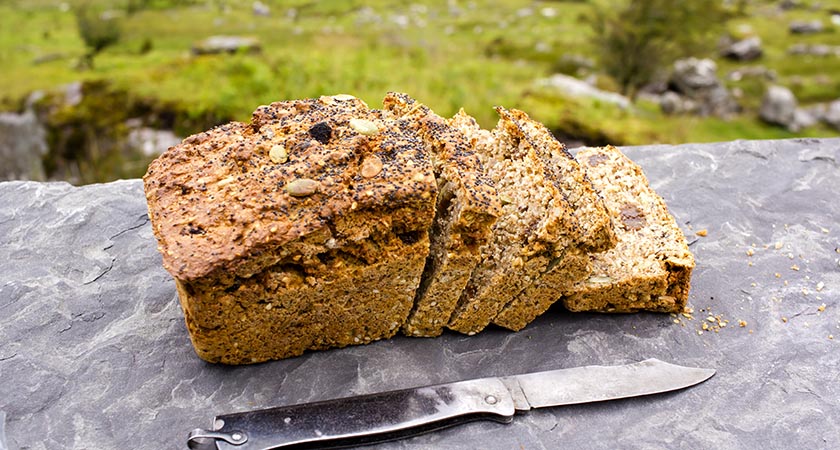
point(302, 187)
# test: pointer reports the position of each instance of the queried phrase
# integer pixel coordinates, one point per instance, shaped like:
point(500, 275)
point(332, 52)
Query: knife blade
point(392, 415)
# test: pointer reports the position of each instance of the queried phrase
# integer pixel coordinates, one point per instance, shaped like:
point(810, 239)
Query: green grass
point(484, 55)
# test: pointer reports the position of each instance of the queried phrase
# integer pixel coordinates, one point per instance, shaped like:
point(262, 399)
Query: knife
point(387, 416)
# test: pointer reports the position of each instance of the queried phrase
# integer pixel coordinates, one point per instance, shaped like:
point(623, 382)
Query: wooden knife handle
point(359, 420)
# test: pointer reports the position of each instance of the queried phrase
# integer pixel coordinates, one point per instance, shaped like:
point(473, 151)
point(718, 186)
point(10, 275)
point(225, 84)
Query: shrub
point(636, 39)
point(98, 31)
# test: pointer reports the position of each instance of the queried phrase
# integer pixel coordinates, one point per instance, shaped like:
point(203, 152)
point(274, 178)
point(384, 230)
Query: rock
point(804, 118)
point(150, 141)
point(806, 27)
point(673, 103)
point(832, 115)
point(778, 107)
point(260, 9)
point(573, 87)
point(790, 4)
point(814, 50)
point(692, 74)
point(744, 50)
point(73, 93)
point(696, 79)
point(23, 142)
point(752, 72)
point(226, 44)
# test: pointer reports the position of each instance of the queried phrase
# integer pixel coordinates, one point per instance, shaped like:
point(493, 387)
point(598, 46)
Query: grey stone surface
point(94, 353)
point(23, 142)
point(567, 85)
point(744, 50)
point(806, 27)
point(696, 80)
point(226, 44)
point(778, 106)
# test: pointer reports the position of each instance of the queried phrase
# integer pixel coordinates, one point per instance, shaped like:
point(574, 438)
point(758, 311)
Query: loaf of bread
point(536, 223)
point(306, 228)
point(650, 266)
point(323, 223)
point(466, 208)
point(570, 266)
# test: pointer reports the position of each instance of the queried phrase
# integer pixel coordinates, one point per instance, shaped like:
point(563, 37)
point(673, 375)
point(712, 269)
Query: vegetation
point(635, 42)
point(448, 54)
point(98, 31)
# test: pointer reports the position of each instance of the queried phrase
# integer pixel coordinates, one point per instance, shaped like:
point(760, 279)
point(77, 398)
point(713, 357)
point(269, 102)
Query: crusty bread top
point(568, 178)
point(453, 156)
point(243, 191)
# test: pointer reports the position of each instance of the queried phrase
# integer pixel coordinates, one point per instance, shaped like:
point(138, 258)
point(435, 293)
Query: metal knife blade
point(398, 414)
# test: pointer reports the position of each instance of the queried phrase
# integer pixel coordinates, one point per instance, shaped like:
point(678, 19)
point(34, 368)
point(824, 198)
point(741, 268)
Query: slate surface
point(94, 353)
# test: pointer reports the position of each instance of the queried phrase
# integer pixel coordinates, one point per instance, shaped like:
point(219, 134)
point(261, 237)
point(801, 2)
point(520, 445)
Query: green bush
point(98, 31)
point(636, 39)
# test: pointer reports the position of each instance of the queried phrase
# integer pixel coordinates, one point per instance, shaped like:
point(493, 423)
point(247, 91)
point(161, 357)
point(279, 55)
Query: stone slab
point(94, 353)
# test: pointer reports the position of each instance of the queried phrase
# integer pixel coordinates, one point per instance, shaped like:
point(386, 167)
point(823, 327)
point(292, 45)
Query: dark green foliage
point(97, 31)
point(637, 39)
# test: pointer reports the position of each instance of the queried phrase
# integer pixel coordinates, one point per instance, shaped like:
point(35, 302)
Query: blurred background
point(91, 91)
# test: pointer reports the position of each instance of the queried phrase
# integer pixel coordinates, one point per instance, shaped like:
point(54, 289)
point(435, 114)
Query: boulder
point(691, 75)
point(23, 142)
point(672, 103)
point(260, 9)
point(752, 72)
point(744, 50)
point(574, 87)
point(832, 115)
point(696, 79)
point(778, 107)
point(226, 44)
point(150, 141)
point(805, 27)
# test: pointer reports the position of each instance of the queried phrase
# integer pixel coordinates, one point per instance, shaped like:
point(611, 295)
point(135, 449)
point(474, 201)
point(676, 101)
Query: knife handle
point(359, 420)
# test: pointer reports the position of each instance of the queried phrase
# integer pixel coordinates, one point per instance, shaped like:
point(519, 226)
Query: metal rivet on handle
point(490, 399)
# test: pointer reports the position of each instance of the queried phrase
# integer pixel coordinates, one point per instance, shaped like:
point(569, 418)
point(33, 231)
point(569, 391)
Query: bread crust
point(570, 265)
point(316, 189)
point(536, 226)
point(467, 207)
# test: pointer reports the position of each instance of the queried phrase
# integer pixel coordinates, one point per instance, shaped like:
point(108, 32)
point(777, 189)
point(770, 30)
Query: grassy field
point(474, 54)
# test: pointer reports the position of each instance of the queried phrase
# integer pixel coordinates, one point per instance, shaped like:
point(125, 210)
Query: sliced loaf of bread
point(536, 222)
point(305, 229)
point(466, 208)
point(571, 265)
point(650, 267)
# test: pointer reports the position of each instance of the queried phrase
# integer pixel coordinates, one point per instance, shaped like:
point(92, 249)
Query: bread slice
point(571, 266)
point(466, 208)
point(305, 229)
point(536, 223)
point(650, 267)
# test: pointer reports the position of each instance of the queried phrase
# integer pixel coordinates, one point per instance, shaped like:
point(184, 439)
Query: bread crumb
point(742, 323)
point(784, 319)
point(831, 336)
point(778, 245)
point(820, 286)
point(821, 308)
point(702, 233)
point(750, 252)
point(794, 267)
point(778, 275)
